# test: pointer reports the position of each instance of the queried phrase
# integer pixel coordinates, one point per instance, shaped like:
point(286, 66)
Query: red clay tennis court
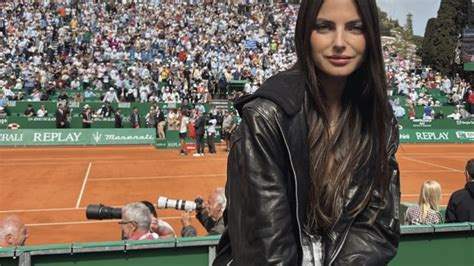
point(49, 187)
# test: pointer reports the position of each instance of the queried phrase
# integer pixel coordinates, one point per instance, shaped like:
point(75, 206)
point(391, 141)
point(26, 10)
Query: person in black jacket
point(61, 116)
point(461, 203)
point(312, 174)
point(199, 125)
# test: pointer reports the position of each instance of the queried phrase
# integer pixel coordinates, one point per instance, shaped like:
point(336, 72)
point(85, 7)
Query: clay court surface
point(50, 187)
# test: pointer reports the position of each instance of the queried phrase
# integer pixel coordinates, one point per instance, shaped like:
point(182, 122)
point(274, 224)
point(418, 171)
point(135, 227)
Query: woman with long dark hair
point(312, 174)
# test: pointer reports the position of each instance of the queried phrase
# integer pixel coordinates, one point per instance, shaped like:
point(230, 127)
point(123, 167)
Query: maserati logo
point(97, 136)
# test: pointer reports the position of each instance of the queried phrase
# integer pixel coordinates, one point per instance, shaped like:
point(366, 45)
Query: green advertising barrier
point(436, 124)
point(443, 244)
point(30, 137)
point(436, 135)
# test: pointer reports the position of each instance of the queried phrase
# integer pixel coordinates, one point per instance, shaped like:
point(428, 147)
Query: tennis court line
point(158, 160)
point(455, 170)
point(84, 184)
point(156, 177)
point(429, 171)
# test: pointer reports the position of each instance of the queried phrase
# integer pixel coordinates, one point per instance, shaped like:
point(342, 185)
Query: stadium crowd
point(129, 49)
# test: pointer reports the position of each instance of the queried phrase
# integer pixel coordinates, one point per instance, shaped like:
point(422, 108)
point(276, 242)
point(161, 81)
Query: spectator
point(118, 118)
point(86, 117)
point(110, 96)
point(199, 124)
point(161, 123)
point(30, 112)
point(61, 116)
point(428, 112)
point(135, 118)
point(210, 216)
point(78, 98)
point(162, 228)
point(151, 119)
point(3, 101)
point(105, 110)
point(229, 125)
point(42, 112)
point(183, 129)
point(427, 211)
point(461, 203)
point(136, 222)
point(36, 95)
point(13, 232)
point(63, 97)
point(211, 134)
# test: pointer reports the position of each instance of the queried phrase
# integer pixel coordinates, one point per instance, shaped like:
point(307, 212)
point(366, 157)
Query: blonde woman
point(427, 211)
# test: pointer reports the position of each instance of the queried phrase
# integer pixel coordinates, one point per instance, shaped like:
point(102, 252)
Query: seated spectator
point(162, 228)
point(456, 115)
point(88, 94)
point(36, 95)
point(8, 93)
point(461, 203)
point(106, 110)
point(427, 211)
point(136, 222)
point(3, 100)
point(30, 112)
point(210, 216)
point(428, 112)
point(111, 96)
point(78, 98)
point(13, 232)
point(63, 97)
point(411, 112)
point(42, 112)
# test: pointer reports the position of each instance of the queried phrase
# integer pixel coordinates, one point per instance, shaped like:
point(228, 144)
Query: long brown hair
point(361, 130)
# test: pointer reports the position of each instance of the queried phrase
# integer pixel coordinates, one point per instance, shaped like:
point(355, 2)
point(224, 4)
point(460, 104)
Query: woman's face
point(338, 41)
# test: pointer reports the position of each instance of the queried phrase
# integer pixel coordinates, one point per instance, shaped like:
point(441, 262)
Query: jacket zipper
point(296, 181)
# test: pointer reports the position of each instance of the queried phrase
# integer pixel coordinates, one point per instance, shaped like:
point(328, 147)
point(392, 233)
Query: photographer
point(162, 228)
point(210, 216)
point(136, 222)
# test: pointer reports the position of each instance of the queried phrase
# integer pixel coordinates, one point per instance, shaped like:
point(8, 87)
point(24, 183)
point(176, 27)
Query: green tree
point(441, 35)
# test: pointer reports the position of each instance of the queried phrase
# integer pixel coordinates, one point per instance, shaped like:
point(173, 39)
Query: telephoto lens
point(102, 212)
point(185, 205)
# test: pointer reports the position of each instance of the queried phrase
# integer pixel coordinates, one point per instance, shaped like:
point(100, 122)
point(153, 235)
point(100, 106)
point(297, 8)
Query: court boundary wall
point(443, 244)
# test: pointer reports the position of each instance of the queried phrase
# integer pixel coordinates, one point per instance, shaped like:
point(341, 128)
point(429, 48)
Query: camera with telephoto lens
point(185, 205)
point(102, 212)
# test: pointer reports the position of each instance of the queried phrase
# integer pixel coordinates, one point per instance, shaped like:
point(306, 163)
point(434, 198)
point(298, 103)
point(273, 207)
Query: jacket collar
point(286, 89)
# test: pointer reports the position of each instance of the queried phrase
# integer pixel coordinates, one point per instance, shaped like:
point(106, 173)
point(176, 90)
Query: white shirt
point(183, 127)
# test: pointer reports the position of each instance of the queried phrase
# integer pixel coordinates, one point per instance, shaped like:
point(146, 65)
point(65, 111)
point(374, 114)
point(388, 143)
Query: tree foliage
point(441, 35)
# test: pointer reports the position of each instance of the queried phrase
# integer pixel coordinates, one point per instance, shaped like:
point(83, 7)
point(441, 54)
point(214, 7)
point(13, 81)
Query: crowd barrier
point(445, 244)
point(44, 137)
point(437, 135)
point(92, 136)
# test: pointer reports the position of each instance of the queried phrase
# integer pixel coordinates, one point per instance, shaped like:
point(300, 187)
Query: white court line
point(155, 177)
point(84, 185)
point(52, 163)
point(94, 222)
point(64, 158)
point(154, 161)
point(430, 164)
point(428, 171)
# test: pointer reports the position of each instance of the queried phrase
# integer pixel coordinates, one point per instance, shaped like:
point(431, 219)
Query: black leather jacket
point(268, 185)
